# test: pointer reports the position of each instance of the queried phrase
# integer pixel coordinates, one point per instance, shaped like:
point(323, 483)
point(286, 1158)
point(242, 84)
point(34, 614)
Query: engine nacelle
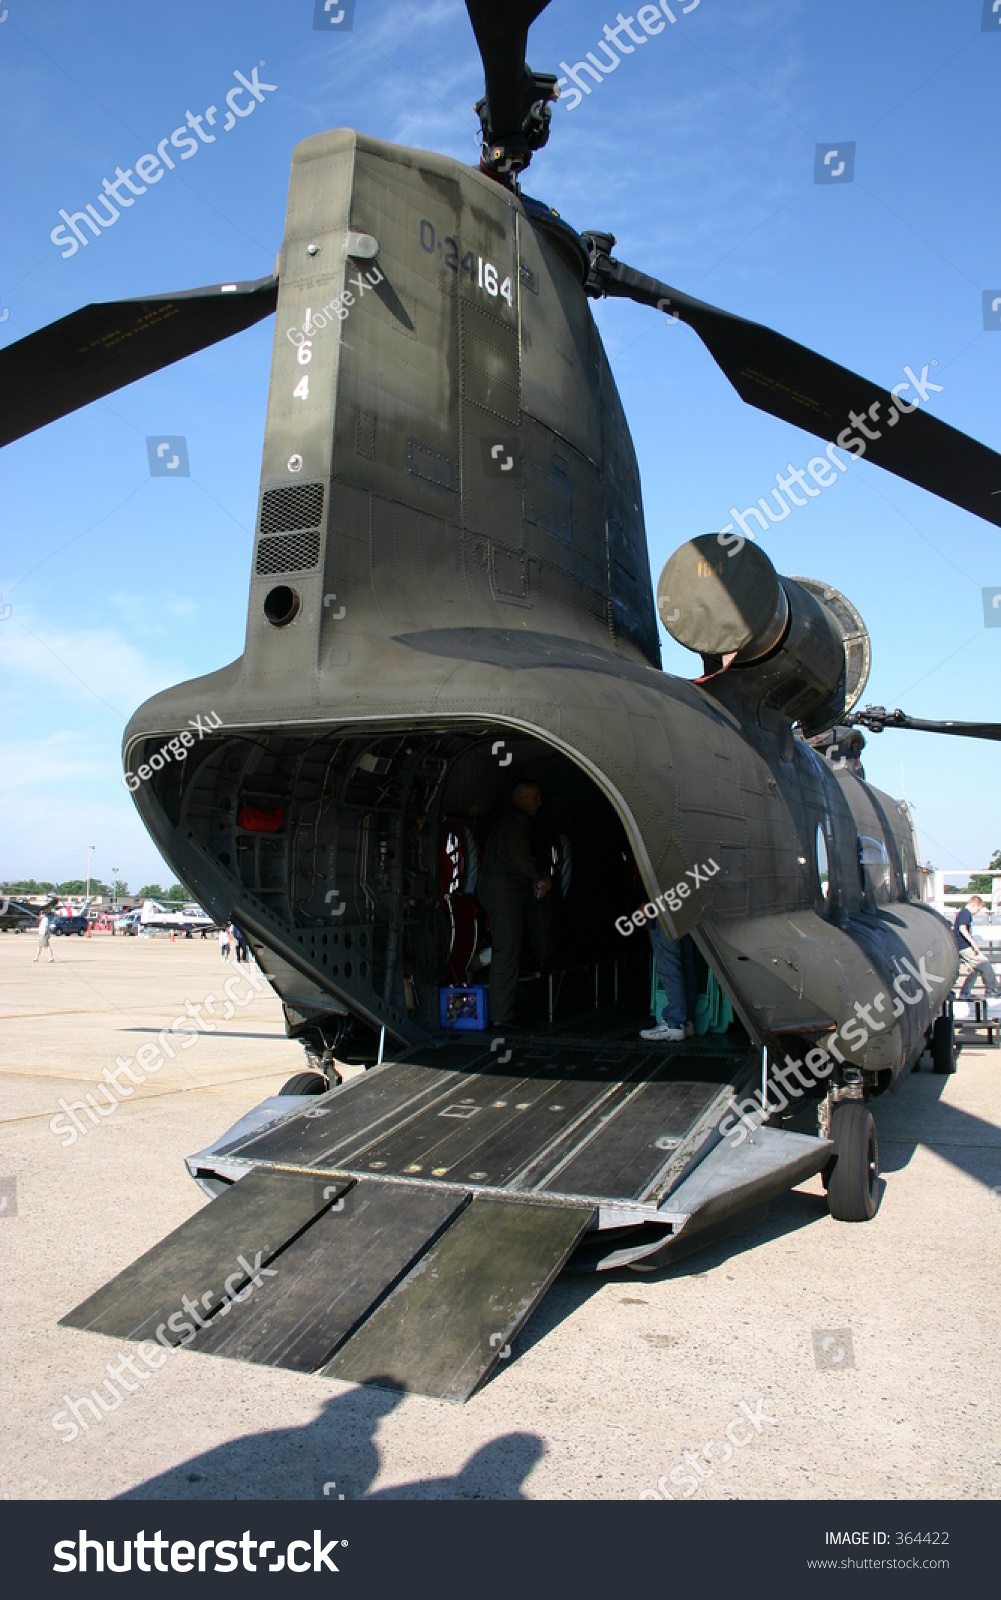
point(791, 647)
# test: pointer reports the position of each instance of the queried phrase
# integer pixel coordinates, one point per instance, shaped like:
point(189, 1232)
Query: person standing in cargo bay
point(513, 891)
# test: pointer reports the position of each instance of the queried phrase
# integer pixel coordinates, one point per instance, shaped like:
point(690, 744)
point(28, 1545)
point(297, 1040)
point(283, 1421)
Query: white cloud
point(78, 665)
point(62, 793)
point(68, 693)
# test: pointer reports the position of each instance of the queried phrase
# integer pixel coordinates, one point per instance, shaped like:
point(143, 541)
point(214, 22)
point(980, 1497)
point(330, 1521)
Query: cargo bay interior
point(365, 849)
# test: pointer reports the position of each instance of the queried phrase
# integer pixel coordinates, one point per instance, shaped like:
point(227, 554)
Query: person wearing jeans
point(675, 963)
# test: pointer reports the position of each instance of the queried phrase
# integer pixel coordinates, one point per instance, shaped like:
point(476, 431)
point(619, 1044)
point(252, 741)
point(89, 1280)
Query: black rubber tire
point(853, 1188)
point(305, 1083)
point(943, 1045)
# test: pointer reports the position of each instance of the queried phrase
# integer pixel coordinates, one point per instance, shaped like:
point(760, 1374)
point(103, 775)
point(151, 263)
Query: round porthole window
point(281, 605)
point(823, 865)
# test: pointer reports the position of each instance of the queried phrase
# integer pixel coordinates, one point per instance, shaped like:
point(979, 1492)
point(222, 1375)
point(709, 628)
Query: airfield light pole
point(90, 850)
point(114, 888)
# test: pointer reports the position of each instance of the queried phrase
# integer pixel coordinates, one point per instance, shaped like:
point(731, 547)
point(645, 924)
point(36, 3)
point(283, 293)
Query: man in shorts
point(44, 936)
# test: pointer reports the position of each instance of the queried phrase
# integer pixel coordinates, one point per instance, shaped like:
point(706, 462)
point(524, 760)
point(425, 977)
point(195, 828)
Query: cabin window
point(823, 865)
point(874, 867)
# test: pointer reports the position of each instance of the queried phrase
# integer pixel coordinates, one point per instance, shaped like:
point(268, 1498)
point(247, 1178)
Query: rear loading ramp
point(472, 1271)
point(402, 1228)
point(597, 1121)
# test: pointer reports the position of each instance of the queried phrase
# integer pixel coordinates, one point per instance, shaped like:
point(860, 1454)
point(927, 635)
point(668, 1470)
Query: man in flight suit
point(512, 891)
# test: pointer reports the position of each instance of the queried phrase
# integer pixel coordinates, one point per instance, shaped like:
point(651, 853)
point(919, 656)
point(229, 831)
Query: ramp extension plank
point(332, 1276)
point(201, 1260)
point(444, 1328)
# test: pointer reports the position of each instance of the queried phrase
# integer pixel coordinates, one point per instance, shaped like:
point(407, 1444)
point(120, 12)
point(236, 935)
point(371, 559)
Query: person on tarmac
point(44, 936)
point(972, 961)
point(513, 891)
point(675, 963)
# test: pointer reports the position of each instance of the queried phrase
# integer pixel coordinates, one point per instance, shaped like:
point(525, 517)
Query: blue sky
point(697, 153)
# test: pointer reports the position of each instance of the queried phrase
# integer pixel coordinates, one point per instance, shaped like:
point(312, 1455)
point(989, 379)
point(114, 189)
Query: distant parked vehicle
point(68, 925)
point(127, 922)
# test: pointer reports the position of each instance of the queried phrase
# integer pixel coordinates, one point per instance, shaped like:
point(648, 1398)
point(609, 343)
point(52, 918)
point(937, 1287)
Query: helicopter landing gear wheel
point(943, 1045)
point(305, 1083)
point(853, 1185)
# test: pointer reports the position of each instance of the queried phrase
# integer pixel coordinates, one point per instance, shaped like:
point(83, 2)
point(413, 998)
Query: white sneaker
point(662, 1034)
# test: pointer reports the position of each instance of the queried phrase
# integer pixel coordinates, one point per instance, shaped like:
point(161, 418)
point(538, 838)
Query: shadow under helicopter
point(920, 1116)
point(917, 1117)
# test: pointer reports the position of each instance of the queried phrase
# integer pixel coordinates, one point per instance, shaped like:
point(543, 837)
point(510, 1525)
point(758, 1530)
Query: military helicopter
point(450, 590)
point(19, 915)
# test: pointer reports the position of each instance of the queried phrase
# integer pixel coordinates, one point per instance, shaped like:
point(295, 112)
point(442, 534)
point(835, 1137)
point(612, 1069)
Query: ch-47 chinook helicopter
point(449, 591)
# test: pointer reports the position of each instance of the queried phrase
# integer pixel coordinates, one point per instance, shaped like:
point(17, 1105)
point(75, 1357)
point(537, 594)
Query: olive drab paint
point(450, 537)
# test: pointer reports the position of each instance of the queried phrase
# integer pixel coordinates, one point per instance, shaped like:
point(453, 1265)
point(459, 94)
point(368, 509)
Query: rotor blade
point(502, 38)
point(875, 719)
point(792, 382)
point(103, 347)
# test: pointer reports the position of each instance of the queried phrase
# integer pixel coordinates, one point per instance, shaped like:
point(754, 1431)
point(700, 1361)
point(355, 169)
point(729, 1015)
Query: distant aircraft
point(19, 914)
point(180, 919)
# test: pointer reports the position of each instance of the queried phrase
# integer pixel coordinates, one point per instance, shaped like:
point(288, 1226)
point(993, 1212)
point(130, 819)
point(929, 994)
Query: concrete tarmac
point(804, 1358)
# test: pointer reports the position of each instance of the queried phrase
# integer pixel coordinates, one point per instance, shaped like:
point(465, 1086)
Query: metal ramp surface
point(402, 1228)
point(331, 1277)
point(201, 1261)
point(453, 1317)
point(471, 1276)
point(597, 1121)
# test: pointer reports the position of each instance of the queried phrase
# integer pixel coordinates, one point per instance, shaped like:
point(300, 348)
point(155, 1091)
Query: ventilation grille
point(300, 505)
point(288, 552)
